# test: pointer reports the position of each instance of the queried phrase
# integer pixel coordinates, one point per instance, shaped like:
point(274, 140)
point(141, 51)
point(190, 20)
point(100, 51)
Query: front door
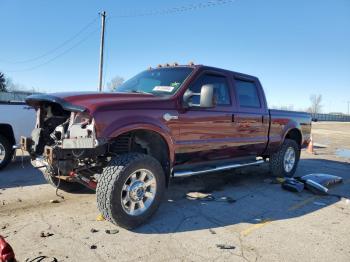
point(207, 133)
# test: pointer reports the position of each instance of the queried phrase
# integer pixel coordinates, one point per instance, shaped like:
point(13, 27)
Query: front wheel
point(130, 189)
point(284, 162)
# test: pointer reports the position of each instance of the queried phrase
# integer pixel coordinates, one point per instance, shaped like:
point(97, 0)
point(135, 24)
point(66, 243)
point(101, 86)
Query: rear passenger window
point(247, 94)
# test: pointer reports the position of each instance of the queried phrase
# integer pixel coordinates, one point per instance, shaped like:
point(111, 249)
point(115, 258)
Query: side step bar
point(184, 173)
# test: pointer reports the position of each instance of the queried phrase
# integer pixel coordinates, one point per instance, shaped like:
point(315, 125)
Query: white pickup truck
point(16, 119)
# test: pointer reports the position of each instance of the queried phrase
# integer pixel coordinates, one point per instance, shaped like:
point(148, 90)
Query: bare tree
point(3, 87)
point(115, 82)
point(316, 105)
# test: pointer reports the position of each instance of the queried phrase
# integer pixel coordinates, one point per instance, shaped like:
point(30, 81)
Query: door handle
point(233, 117)
point(168, 117)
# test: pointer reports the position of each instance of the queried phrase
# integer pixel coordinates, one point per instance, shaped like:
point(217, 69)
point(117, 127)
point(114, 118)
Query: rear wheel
point(130, 189)
point(6, 151)
point(284, 162)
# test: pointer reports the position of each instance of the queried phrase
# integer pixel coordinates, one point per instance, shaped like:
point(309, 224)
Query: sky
point(296, 48)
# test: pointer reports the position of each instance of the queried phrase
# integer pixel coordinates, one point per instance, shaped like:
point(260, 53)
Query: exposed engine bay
point(63, 143)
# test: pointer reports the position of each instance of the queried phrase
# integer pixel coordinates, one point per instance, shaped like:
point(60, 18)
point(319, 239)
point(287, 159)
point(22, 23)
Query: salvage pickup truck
point(169, 121)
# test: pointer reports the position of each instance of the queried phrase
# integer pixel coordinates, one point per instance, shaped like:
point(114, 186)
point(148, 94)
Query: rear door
point(251, 117)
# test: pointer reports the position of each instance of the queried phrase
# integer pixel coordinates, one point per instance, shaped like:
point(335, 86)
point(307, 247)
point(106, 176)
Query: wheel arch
point(294, 134)
point(7, 131)
point(138, 138)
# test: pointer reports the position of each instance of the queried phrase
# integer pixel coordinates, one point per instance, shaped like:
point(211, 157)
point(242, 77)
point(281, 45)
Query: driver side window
point(221, 90)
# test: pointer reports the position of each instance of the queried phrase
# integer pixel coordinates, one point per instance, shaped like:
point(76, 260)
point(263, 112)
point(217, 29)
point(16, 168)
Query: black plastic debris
point(223, 246)
point(316, 183)
point(293, 185)
point(112, 231)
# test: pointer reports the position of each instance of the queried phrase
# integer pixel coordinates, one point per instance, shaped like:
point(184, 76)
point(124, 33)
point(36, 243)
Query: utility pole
point(348, 105)
point(103, 18)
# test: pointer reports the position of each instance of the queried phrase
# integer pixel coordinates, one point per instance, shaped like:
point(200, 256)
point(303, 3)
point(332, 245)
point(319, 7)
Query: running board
point(184, 173)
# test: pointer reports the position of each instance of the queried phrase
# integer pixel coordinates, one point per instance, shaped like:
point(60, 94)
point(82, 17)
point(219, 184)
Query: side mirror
point(207, 96)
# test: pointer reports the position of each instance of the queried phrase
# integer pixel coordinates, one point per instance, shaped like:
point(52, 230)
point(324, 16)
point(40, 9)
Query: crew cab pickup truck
point(16, 119)
point(165, 122)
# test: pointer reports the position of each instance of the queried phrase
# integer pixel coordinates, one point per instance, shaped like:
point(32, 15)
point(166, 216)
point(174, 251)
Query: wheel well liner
point(144, 141)
point(295, 135)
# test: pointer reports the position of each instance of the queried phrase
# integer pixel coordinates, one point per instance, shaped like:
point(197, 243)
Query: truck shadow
point(20, 174)
point(257, 196)
point(15, 175)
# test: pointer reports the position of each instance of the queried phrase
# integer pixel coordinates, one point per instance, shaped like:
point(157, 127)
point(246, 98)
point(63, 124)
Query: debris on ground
point(54, 201)
point(226, 199)
point(93, 247)
point(208, 197)
point(212, 231)
point(223, 246)
point(199, 196)
point(322, 179)
point(5, 226)
point(46, 234)
point(100, 217)
point(293, 185)
point(316, 183)
point(280, 180)
point(19, 200)
point(42, 258)
point(112, 231)
point(93, 230)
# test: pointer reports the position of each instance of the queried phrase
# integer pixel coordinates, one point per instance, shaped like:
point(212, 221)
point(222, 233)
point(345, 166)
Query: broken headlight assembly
point(80, 132)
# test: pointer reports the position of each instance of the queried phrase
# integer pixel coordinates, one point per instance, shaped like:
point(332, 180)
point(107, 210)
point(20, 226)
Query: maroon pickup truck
point(165, 122)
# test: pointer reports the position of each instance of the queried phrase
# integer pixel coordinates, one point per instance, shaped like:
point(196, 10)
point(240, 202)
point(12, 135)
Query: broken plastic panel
point(316, 183)
point(322, 179)
point(291, 184)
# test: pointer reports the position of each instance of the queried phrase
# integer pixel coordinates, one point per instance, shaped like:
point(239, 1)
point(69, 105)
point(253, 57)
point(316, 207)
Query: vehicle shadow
point(20, 174)
point(258, 198)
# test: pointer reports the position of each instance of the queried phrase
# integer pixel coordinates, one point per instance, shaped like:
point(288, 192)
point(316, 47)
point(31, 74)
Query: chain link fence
point(331, 117)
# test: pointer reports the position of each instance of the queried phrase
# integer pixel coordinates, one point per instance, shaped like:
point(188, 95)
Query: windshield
point(160, 81)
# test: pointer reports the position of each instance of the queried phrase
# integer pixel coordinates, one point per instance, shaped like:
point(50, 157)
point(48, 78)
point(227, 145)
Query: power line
point(179, 9)
point(55, 48)
point(57, 56)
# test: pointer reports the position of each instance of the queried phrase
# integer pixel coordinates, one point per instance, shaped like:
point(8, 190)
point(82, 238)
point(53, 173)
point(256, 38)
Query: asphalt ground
point(249, 217)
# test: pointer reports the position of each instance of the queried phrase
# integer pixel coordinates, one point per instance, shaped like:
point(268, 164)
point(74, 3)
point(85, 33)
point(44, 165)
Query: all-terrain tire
point(6, 150)
point(63, 185)
point(112, 180)
point(277, 160)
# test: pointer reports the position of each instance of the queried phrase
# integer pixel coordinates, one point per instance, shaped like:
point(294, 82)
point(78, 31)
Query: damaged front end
point(63, 144)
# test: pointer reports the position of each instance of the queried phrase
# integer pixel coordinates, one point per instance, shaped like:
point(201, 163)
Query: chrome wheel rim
point(2, 153)
point(289, 159)
point(138, 192)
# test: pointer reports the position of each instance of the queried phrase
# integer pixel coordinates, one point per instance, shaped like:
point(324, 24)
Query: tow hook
point(83, 180)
